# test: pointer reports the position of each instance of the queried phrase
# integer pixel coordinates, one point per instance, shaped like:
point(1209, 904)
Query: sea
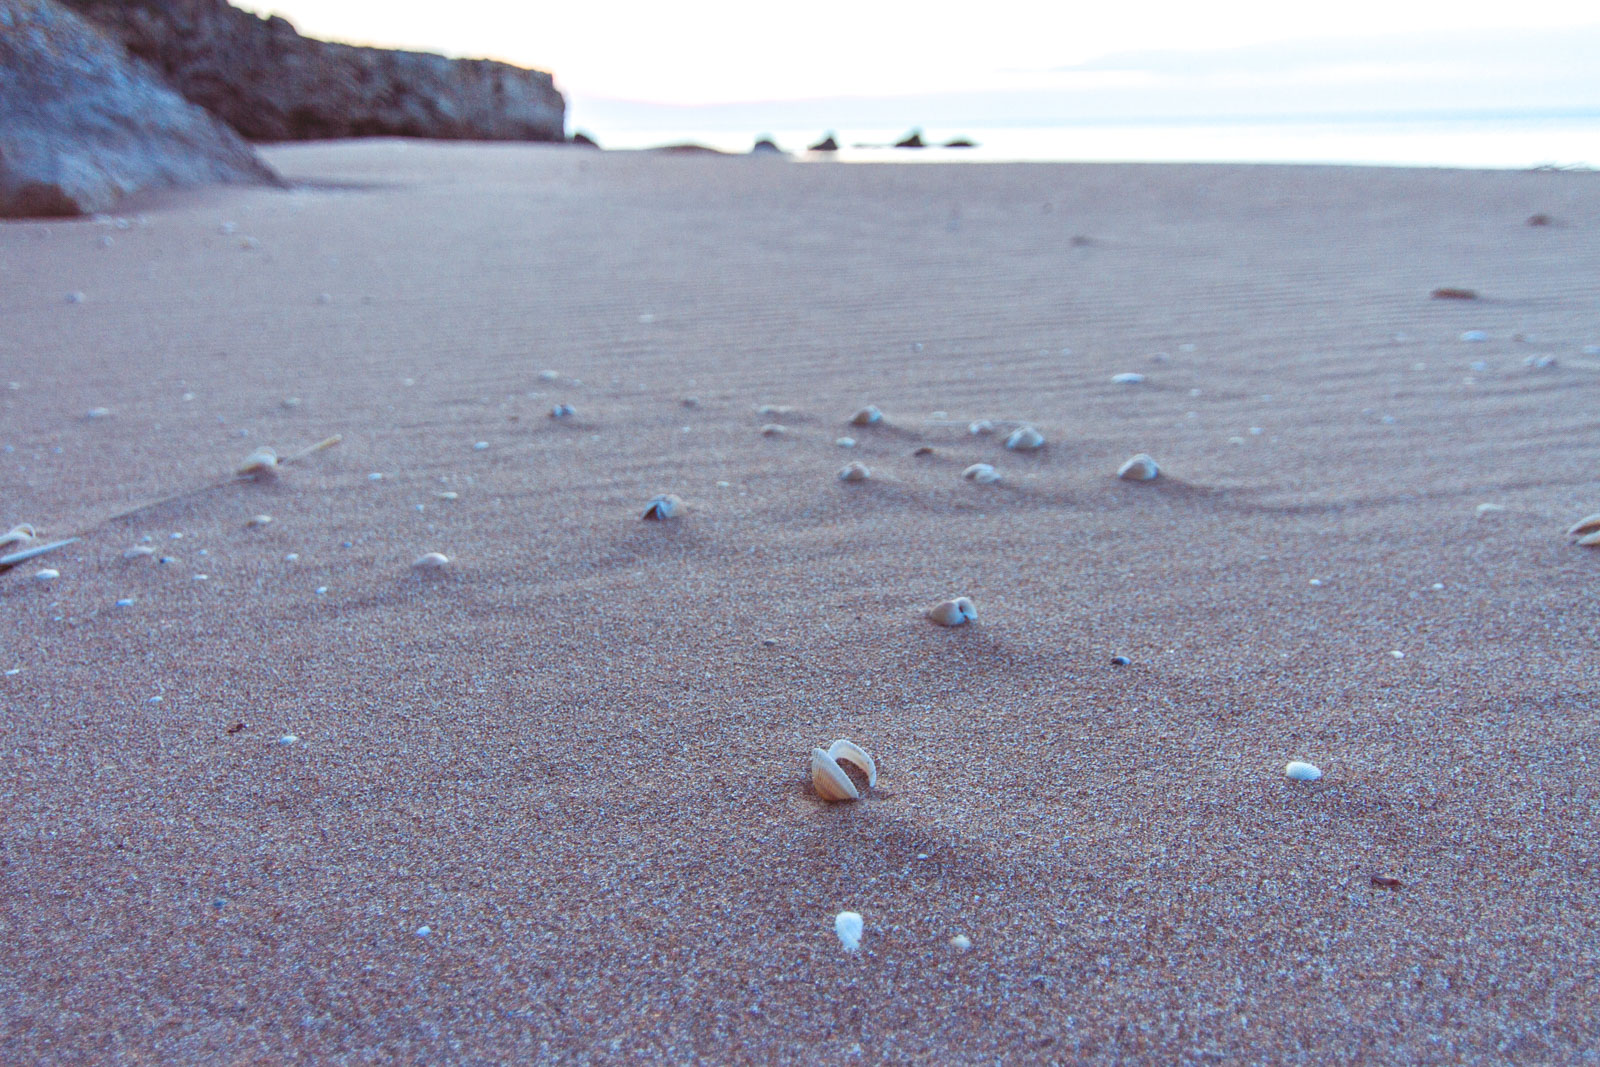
point(1520, 141)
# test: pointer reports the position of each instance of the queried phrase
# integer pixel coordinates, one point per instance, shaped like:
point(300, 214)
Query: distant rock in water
point(82, 124)
point(271, 84)
point(583, 140)
point(960, 142)
point(912, 140)
point(827, 144)
point(766, 146)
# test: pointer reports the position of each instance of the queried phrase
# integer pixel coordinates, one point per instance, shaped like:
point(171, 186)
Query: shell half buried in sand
point(854, 472)
point(431, 561)
point(1581, 528)
point(664, 506)
point(1025, 439)
point(957, 612)
point(1140, 468)
point(867, 416)
point(981, 473)
point(262, 463)
point(829, 779)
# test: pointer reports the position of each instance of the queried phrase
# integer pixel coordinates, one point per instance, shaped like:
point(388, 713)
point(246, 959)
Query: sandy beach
point(293, 799)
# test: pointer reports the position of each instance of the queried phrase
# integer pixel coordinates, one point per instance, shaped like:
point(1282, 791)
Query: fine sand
point(577, 754)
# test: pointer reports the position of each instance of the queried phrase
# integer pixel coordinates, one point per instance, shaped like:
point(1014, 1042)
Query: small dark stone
point(1120, 661)
point(1383, 882)
point(1452, 293)
point(827, 144)
point(1539, 220)
point(236, 727)
point(960, 142)
point(911, 140)
point(219, 903)
point(583, 140)
point(923, 450)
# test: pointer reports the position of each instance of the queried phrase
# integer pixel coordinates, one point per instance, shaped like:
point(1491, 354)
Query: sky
point(718, 52)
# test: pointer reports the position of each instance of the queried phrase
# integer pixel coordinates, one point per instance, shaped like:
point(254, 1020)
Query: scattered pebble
point(1127, 378)
point(1025, 439)
point(1540, 219)
point(854, 472)
point(97, 413)
point(848, 926)
point(256, 521)
point(291, 557)
point(690, 401)
point(664, 506)
point(1302, 772)
point(431, 561)
point(549, 375)
point(961, 943)
point(867, 416)
point(423, 931)
point(1488, 509)
point(772, 429)
point(829, 779)
point(563, 411)
point(74, 298)
point(1452, 293)
point(980, 428)
point(125, 602)
point(1140, 468)
point(481, 446)
point(923, 450)
point(375, 476)
point(1591, 350)
point(982, 473)
point(1120, 661)
point(1397, 654)
point(1316, 581)
point(1474, 335)
point(48, 574)
point(845, 442)
point(777, 410)
point(1539, 362)
point(289, 402)
point(287, 739)
point(956, 612)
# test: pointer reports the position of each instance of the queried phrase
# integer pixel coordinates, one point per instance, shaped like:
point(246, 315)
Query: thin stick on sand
point(9, 561)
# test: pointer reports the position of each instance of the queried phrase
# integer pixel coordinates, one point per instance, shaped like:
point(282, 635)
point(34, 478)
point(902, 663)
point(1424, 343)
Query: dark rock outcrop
point(82, 124)
point(827, 144)
point(271, 84)
point(911, 140)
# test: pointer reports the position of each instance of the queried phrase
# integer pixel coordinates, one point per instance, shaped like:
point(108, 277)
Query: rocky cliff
point(82, 124)
point(271, 84)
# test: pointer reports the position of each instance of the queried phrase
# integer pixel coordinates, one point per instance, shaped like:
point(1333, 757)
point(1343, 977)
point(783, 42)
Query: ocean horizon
point(1472, 140)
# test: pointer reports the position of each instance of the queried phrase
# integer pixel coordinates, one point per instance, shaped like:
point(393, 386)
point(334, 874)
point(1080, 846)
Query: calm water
point(1467, 141)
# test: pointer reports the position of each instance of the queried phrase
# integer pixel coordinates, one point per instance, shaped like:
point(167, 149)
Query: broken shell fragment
point(431, 561)
point(664, 506)
point(1140, 468)
point(981, 428)
point(854, 472)
point(19, 534)
point(867, 416)
point(848, 927)
point(1590, 540)
point(981, 473)
point(829, 779)
point(258, 520)
point(956, 612)
point(1025, 439)
point(262, 463)
point(138, 552)
point(1582, 526)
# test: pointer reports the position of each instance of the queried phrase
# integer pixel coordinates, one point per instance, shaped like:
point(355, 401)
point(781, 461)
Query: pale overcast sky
point(711, 51)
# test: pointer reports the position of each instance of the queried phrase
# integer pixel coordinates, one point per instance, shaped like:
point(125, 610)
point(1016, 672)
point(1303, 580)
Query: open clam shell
point(829, 779)
point(956, 612)
point(1579, 529)
point(262, 463)
point(1140, 468)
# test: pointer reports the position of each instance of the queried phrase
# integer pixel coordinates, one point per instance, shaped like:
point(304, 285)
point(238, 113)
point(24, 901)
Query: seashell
point(854, 472)
point(258, 520)
point(774, 409)
point(431, 561)
point(262, 463)
point(1025, 439)
point(1581, 527)
point(563, 411)
point(97, 413)
point(981, 473)
point(1590, 540)
point(1127, 378)
point(49, 574)
point(845, 442)
point(138, 552)
point(847, 925)
point(664, 506)
point(867, 416)
point(981, 428)
point(957, 612)
point(1140, 468)
point(1488, 509)
point(19, 534)
point(772, 429)
point(961, 943)
point(829, 779)
point(549, 375)
point(1302, 772)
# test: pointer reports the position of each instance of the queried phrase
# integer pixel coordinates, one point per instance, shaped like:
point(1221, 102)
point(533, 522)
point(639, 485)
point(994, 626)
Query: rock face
point(271, 84)
point(81, 124)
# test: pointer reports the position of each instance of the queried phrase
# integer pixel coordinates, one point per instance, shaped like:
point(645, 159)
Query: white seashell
point(549, 375)
point(1474, 335)
point(563, 411)
point(1302, 772)
point(956, 612)
point(448, 494)
point(845, 442)
point(97, 413)
point(981, 473)
point(1583, 526)
point(664, 506)
point(772, 429)
point(258, 520)
point(19, 534)
point(867, 416)
point(1140, 468)
point(1127, 378)
point(262, 463)
point(138, 552)
point(49, 574)
point(961, 942)
point(981, 428)
point(854, 472)
point(431, 561)
point(829, 779)
point(1488, 509)
point(848, 926)
point(1590, 540)
point(1025, 439)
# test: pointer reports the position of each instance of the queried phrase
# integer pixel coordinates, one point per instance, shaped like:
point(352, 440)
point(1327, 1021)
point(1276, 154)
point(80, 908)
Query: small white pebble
point(1025, 439)
point(1488, 509)
point(563, 411)
point(549, 375)
point(980, 428)
point(982, 473)
point(867, 416)
point(97, 413)
point(1316, 581)
point(1127, 378)
point(74, 298)
point(849, 927)
point(1591, 350)
point(155, 700)
point(773, 429)
point(431, 561)
point(322, 590)
point(961, 942)
point(1474, 335)
point(1302, 772)
point(447, 495)
point(481, 446)
point(846, 442)
point(1140, 468)
point(201, 577)
point(1397, 654)
point(291, 557)
point(1438, 585)
point(854, 472)
point(287, 739)
point(375, 477)
point(138, 552)
point(48, 574)
point(256, 521)
point(423, 931)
